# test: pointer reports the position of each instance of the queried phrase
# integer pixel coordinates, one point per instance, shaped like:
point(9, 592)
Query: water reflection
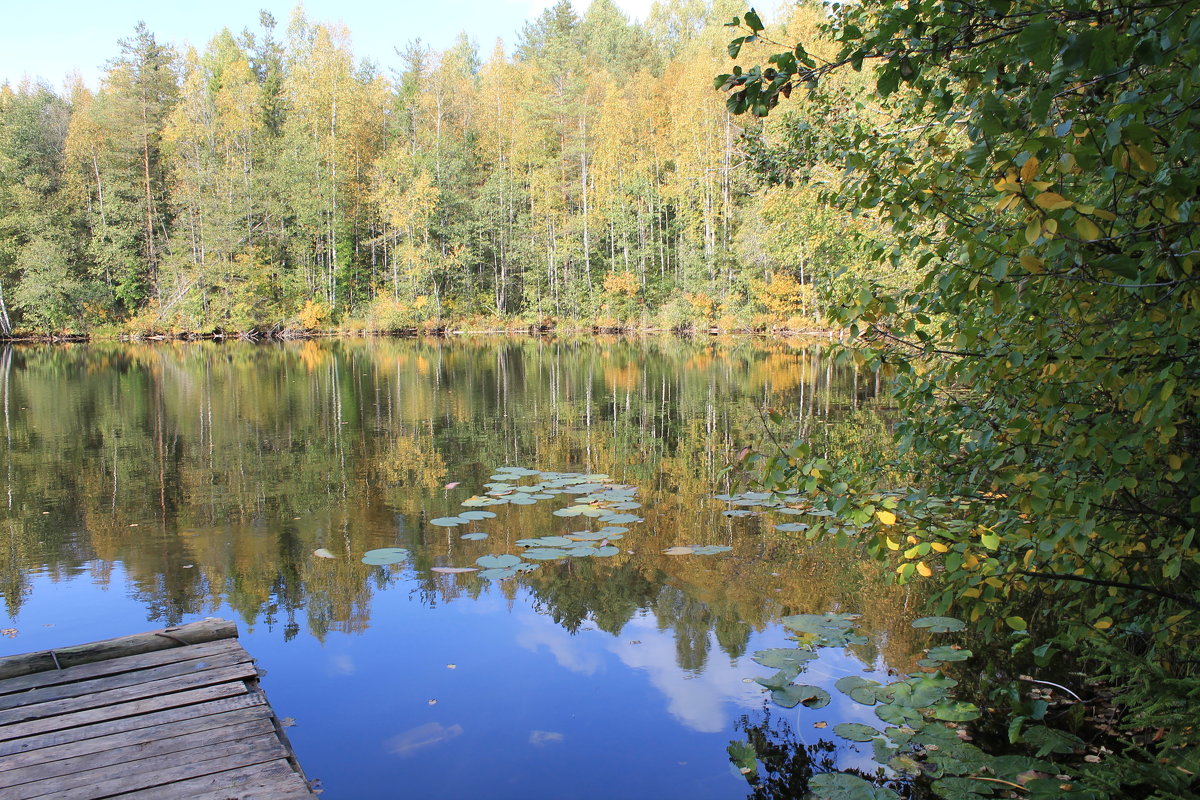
point(187, 479)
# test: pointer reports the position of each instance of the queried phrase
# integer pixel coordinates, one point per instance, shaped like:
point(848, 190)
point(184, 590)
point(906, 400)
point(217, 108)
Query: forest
point(276, 181)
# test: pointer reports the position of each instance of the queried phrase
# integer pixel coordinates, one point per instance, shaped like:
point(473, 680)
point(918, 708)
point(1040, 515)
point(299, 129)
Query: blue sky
point(52, 38)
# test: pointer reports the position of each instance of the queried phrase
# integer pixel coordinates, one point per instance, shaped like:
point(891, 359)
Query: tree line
point(274, 180)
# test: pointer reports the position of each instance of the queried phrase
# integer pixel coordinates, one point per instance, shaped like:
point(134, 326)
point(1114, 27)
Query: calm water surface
point(154, 484)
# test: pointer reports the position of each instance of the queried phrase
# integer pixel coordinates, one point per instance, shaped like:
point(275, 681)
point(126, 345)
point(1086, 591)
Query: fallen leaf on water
point(188, 566)
point(287, 722)
point(9, 632)
point(820, 724)
point(453, 570)
point(432, 702)
point(452, 666)
point(321, 552)
point(133, 524)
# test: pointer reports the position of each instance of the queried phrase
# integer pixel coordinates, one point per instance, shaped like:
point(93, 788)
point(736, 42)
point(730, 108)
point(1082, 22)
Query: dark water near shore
point(142, 485)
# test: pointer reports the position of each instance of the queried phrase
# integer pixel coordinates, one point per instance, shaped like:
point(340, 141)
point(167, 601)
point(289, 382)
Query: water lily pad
point(547, 541)
point(859, 689)
point(453, 570)
point(498, 562)
point(792, 527)
point(711, 549)
point(940, 624)
point(497, 574)
point(611, 529)
point(856, 731)
point(790, 510)
point(477, 501)
point(476, 515)
point(801, 694)
point(449, 522)
point(948, 653)
point(586, 536)
point(474, 537)
point(620, 518)
point(522, 500)
point(843, 786)
point(681, 550)
point(545, 553)
point(539, 496)
point(784, 657)
point(573, 511)
point(955, 711)
point(897, 715)
point(605, 552)
point(740, 512)
point(384, 556)
point(625, 505)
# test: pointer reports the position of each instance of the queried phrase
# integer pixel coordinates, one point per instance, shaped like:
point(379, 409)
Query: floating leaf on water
point(547, 541)
point(611, 529)
point(856, 731)
point(581, 552)
point(477, 500)
point(586, 536)
point(605, 552)
point(820, 623)
point(949, 653)
point(801, 694)
point(627, 505)
point(476, 515)
point(783, 657)
point(940, 624)
point(859, 689)
point(497, 574)
point(448, 522)
point(820, 512)
point(526, 567)
point(384, 556)
point(711, 549)
point(453, 570)
point(522, 500)
point(740, 513)
point(620, 518)
point(789, 510)
point(545, 553)
point(682, 550)
point(843, 786)
point(321, 552)
point(568, 512)
point(538, 496)
point(474, 537)
point(955, 711)
point(498, 562)
point(897, 715)
point(792, 527)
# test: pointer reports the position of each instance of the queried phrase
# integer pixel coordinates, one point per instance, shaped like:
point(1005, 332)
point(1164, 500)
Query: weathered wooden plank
point(90, 716)
point(119, 739)
point(163, 770)
point(18, 783)
point(99, 730)
point(46, 694)
point(274, 780)
point(192, 633)
point(114, 666)
point(127, 694)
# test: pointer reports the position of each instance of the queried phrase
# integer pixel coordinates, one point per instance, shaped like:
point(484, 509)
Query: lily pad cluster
point(697, 550)
point(915, 734)
point(786, 505)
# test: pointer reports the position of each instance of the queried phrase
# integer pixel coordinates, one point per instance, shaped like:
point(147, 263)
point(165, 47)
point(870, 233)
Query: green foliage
point(1040, 163)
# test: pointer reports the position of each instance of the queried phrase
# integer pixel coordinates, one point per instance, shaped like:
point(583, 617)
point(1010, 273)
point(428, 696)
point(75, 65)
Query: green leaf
point(940, 624)
point(384, 556)
point(752, 21)
point(801, 694)
point(856, 731)
point(842, 786)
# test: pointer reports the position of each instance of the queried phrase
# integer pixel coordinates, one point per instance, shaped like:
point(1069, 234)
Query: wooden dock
point(164, 715)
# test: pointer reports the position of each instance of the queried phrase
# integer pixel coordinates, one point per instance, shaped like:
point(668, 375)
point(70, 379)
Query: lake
point(152, 484)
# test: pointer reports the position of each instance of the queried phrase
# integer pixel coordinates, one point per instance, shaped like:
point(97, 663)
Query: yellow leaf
point(1103, 624)
point(886, 517)
point(1142, 158)
point(1041, 186)
point(1052, 201)
point(923, 570)
point(892, 545)
point(1102, 214)
point(938, 547)
point(1033, 264)
point(1033, 230)
point(1050, 226)
point(1175, 461)
point(1087, 230)
point(1030, 169)
point(970, 561)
